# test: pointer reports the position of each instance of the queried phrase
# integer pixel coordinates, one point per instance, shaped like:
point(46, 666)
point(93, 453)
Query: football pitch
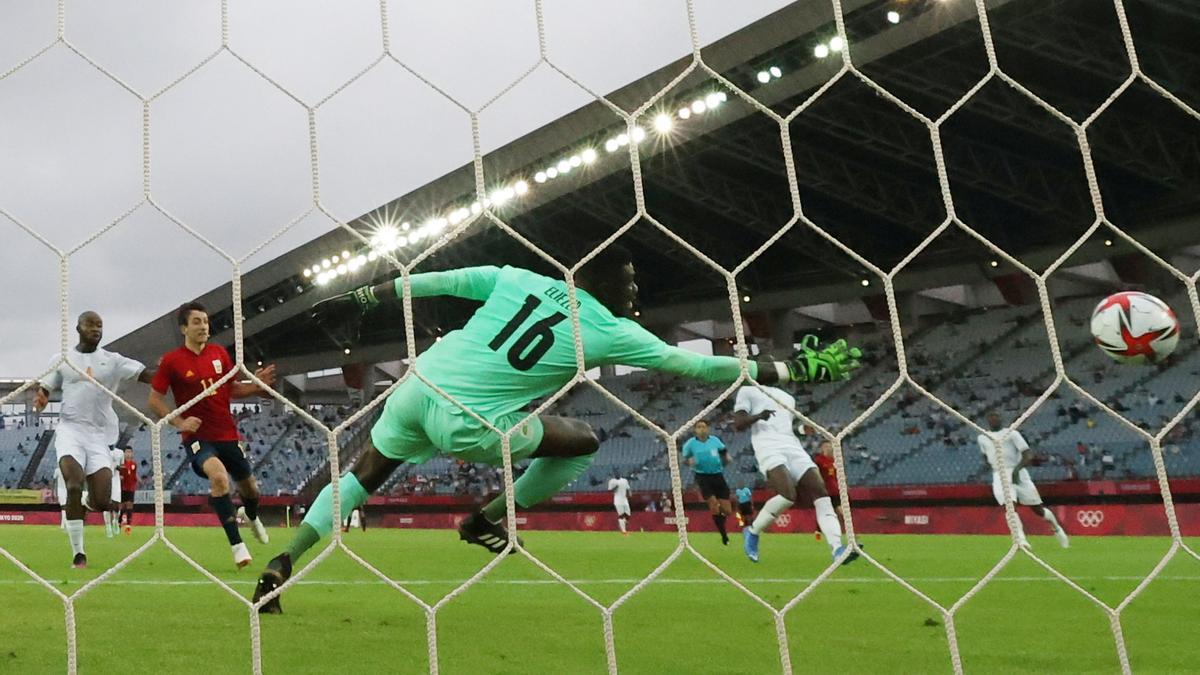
point(159, 614)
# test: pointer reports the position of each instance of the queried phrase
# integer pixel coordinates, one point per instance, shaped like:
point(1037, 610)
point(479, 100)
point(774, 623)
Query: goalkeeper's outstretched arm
point(472, 283)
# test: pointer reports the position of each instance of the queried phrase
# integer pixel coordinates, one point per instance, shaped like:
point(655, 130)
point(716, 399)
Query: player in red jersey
point(209, 432)
point(828, 470)
point(129, 482)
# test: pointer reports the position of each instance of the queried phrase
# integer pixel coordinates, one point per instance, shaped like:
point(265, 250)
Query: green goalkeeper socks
point(545, 477)
point(318, 522)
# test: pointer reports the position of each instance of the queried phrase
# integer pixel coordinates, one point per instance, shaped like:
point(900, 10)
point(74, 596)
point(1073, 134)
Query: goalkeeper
point(517, 347)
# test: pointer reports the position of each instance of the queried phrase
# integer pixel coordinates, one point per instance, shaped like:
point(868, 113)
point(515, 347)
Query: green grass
point(160, 614)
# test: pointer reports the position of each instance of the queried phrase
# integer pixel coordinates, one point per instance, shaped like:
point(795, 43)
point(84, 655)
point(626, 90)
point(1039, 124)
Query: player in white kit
point(789, 471)
point(1016, 455)
point(620, 490)
point(88, 425)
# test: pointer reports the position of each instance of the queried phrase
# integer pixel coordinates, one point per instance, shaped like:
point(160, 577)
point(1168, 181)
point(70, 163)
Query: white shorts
point(88, 448)
point(797, 462)
point(622, 507)
point(1025, 491)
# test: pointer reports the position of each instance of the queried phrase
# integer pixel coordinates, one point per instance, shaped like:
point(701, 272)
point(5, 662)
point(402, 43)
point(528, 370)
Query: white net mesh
point(488, 217)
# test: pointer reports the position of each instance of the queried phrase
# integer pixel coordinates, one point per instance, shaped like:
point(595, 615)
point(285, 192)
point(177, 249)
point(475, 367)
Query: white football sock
point(62, 523)
point(1049, 516)
point(621, 523)
point(770, 511)
point(107, 521)
point(828, 521)
point(75, 535)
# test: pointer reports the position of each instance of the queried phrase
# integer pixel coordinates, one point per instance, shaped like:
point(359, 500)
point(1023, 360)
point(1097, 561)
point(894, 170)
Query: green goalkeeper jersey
point(520, 346)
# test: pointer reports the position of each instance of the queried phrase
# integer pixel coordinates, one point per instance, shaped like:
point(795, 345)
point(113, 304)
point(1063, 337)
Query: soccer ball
point(1134, 327)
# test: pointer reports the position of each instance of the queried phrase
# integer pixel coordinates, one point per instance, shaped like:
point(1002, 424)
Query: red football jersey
point(828, 472)
point(129, 476)
point(186, 374)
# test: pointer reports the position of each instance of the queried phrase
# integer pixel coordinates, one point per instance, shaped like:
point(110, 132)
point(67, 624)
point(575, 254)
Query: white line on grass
point(550, 582)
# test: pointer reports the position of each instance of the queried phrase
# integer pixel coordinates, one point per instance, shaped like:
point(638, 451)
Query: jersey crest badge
point(217, 366)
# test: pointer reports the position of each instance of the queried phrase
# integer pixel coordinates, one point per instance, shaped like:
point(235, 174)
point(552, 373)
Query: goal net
point(840, 52)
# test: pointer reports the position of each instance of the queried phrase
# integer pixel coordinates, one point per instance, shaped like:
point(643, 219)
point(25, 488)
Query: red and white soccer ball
point(1134, 327)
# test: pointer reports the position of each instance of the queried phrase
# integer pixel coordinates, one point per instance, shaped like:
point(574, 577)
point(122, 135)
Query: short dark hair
point(699, 422)
point(185, 310)
point(607, 262)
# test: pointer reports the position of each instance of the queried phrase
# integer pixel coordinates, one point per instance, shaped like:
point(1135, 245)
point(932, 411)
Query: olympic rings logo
point(1090, 518)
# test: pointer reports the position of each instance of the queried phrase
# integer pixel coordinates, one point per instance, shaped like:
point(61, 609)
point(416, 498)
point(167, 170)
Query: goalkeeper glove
point(831, 364)
point(352, 304)
point(341, 315)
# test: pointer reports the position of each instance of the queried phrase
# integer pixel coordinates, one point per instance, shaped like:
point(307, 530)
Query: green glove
point(350, 305)
point(831, 364)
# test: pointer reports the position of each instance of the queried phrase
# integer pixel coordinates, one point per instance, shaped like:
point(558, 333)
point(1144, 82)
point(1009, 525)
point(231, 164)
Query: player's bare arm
point(158, 405)
point(743, 420)
point(248, 389)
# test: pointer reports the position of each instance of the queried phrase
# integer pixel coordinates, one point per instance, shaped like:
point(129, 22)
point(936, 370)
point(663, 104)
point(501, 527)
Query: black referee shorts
point(712, 485)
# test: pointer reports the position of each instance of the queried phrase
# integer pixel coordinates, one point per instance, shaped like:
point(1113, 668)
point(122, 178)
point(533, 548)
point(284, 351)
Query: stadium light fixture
point(698, 106)
point(638, 134)
point(662, 123)
point(685, 112)
point(345, 351)
point(712, 100)
point(893, 16)
point(405, 226)
point(763, 76)
point(336, 259)
point(372, 256)
point(341, 269)
point(564, 166)
point(1108, 242)
point(588, 155)
point(611, 145)
point(995, 263)
point(307, 273)
point(326, 263)
point(745, 298)
point(775, 71)
point(345, 255)
point(866, 282)
point(836, 43)
point(622, 139)
point(476, 208)
point(821, 51)
point(316, 269)
point(637, 312)
point(552, 172)
point(540, 177)
point(521, 187)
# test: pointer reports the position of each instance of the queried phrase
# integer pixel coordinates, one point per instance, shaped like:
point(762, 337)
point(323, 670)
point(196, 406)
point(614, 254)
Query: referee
point(707, 456)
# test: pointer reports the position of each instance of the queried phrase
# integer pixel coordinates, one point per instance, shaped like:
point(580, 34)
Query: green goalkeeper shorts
point(416, 424)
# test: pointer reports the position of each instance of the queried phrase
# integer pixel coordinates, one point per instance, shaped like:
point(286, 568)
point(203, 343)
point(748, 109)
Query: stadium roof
point(865, 170)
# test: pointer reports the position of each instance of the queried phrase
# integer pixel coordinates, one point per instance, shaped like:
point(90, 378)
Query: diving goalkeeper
point(517, 347)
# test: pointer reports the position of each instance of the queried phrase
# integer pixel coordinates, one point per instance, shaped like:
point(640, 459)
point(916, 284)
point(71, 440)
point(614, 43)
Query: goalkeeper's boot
point(476, 529)
point(278, 571)
point(256, 526)
point(80, 561)
point(851, 557)
point(750, 544)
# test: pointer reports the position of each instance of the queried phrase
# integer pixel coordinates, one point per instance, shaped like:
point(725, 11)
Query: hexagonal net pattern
point(488, 216)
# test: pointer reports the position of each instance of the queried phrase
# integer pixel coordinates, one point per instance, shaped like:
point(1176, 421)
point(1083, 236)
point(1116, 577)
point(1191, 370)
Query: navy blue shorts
point(229, 452)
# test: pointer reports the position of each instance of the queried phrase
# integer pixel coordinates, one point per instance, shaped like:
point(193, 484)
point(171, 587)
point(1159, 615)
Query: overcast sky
point(230, 154)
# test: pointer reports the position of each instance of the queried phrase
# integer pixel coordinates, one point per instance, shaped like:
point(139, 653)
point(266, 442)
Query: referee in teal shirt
point(707, 456)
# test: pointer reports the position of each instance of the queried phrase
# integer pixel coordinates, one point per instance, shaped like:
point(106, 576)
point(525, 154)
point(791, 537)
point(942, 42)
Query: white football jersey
point(620, 488)
point(1011, 448)
point(775, 434)
point(84, 405)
